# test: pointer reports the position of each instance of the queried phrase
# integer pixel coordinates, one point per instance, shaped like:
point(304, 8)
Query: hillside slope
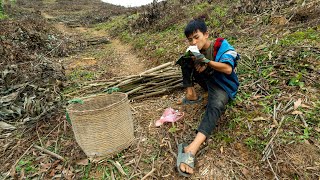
point(271, 130)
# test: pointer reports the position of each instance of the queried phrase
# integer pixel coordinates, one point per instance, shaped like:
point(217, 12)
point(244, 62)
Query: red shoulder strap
point(216, 47)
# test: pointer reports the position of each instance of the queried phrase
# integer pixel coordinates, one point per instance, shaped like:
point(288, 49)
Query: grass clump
point(309, 36)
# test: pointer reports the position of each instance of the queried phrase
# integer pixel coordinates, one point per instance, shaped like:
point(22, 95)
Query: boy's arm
point(221, 67)
point(226, 62)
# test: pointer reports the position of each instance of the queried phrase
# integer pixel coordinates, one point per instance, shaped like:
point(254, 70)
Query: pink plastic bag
point(169, 115)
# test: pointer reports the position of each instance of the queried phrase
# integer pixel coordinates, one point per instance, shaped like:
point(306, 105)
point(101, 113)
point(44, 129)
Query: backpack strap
point(216, 47)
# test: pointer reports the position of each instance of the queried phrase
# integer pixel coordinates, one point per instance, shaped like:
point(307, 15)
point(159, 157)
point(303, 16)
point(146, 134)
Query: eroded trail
point(103, 60)
point(129, 63)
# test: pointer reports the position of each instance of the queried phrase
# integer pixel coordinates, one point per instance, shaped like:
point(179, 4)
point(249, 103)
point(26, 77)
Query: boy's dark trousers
point(217, 97)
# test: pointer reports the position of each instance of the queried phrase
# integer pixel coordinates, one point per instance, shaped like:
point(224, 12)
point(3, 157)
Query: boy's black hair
point(194, 25)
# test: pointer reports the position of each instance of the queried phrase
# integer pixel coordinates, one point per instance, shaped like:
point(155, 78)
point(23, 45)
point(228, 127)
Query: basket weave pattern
point(103, 124)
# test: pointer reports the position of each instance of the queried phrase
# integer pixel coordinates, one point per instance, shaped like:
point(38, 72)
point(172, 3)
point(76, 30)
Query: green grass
point(308, 37)
point(86, 171)
point(3, 15)
point(26, 165)
point(223, 137)
point(255, 143)
point(215, 17)
point(82, 75)
point(115, 26)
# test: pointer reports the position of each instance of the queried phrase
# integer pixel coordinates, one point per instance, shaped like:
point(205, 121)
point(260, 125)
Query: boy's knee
point(217, 104)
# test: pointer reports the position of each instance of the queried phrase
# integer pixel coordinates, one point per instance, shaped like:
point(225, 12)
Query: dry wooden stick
point(133, 161)
point(135, 175)
point(239, 163)
point(112, 175)
point(154, 84)
point(128, 81)
point(118, 166)
point(269, 143)
point(175, 86)
point(165, 70)
point(275, 174)
point(136, 166)
point(149, 83)
point(152, 87)
point(175, 82)
point(170, 86)
point(49, 152)
point(157, 68)
point(303, 120)
point(275, 115)
point(287, 105)
point(149, 95)
point(135, 90)
point(171, 151)
point(149, 173)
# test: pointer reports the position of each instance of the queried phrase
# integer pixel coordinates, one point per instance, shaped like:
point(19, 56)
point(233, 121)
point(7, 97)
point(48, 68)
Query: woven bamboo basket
point(103, 124)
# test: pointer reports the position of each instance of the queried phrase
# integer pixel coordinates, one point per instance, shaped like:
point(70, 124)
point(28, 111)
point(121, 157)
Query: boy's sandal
point(186, 158)
point(186, 101)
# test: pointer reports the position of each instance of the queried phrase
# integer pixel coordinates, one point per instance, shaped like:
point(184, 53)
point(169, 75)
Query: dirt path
point(114, 58)
point(130, 63)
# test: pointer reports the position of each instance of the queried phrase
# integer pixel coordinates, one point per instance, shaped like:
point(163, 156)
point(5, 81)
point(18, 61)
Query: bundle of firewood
point(155, 81)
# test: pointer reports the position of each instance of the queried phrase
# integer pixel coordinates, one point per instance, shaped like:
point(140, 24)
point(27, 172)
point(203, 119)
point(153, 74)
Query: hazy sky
point(129, 3)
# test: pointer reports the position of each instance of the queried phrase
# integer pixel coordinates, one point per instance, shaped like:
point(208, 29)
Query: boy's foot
point(186, 100)
point(185, 160)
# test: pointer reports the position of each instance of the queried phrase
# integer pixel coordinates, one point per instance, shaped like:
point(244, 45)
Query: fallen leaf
point(296, 112)
point(9, 98)
point(6, 126)
point(272, 73)
point(34, 153)
point(201, 162)
point(83, 162)
point(55, 163)
point(164, 97)
point(245, 172)
point(88, 58)
point(45, 166)
point(306, 141)
point(317, 129)
point(238, 146)
point(59, 167)
point(297, 104)
point(12, 172)
point(52, 173)
point(270, 55)
point(49, 143)
point(22, 176)
point(57, 176)
point(306, 106)
point(262, 46)
point(260, 119)
point(278, 20)
point(257, 97)
point(67, 174)
point(221, 149)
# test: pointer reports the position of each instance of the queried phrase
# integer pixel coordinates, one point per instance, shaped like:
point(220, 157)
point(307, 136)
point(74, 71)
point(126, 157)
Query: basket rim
point(99, 95)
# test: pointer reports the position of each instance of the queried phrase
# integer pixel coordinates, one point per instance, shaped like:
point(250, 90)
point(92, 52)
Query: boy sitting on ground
point(212, 66)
